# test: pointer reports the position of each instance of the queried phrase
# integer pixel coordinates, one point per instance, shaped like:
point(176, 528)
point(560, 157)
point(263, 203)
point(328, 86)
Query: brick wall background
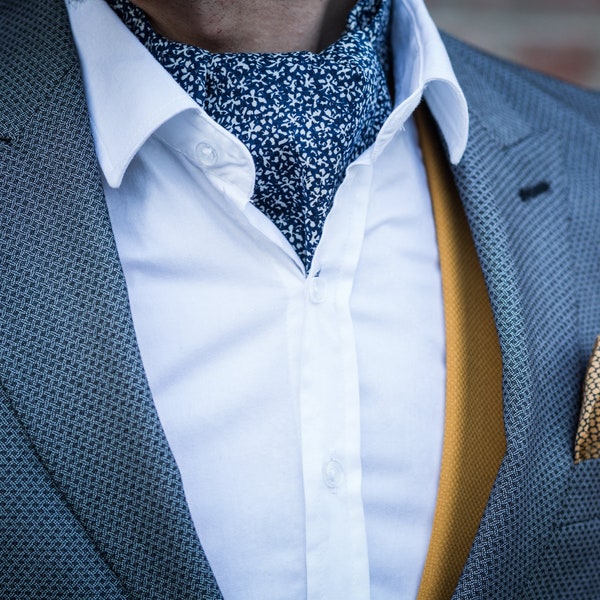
point(560, 37)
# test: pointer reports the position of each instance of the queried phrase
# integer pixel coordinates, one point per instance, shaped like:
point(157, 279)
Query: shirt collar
point(422, 69)
point(130, 95)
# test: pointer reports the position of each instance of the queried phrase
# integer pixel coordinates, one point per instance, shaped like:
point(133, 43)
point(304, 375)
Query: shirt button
point(316, 291)
point(333, 474)
point(206, 154)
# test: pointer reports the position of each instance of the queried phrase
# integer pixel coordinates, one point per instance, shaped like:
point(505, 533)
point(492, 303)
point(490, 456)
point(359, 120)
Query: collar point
point(456, 151)
point(113, 177)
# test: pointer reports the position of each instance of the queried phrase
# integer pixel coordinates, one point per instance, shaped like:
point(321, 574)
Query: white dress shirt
point(305, 410)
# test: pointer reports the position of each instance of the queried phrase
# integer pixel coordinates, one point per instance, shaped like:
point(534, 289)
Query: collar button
point(206, 154)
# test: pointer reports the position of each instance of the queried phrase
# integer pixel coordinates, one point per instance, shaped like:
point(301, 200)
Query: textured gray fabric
point(540, 534)
point(91, 503)
point(70, 369)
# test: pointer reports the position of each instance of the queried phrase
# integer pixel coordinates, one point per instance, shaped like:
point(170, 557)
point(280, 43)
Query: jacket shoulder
point(542, 100)
point(36, 54)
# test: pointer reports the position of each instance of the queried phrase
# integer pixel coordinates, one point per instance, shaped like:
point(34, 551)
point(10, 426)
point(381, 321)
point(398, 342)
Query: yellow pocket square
point(587, 440)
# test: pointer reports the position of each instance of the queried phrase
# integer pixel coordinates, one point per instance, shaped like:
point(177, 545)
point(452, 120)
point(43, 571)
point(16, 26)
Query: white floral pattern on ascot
point(304, 117)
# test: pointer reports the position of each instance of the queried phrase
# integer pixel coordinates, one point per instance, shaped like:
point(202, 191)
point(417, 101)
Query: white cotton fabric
point(304, 410)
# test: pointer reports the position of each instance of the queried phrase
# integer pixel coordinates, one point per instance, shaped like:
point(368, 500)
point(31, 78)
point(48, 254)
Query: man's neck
point(250, 25)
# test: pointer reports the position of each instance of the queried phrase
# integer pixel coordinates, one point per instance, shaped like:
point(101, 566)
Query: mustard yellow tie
point(474, 440)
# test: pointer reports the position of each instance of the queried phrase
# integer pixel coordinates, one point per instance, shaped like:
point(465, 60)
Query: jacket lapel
point(69, 361)
point(514, 191)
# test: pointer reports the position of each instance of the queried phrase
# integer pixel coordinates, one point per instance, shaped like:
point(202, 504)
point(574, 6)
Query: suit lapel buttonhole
point(533, 191)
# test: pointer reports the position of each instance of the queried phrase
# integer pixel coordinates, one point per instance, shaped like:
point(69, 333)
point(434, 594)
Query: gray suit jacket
point(91, 502)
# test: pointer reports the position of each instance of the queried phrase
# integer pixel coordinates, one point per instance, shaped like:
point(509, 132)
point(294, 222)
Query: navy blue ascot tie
point(304, 117)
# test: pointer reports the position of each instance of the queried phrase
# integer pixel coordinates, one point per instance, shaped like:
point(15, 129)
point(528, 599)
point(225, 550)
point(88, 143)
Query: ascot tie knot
point(304, 117)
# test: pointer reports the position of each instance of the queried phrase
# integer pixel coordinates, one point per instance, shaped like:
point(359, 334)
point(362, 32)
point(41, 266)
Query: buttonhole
point(528, 193)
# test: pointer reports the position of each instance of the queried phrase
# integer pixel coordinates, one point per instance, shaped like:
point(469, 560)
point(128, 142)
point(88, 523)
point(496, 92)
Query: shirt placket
point(329, 405)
